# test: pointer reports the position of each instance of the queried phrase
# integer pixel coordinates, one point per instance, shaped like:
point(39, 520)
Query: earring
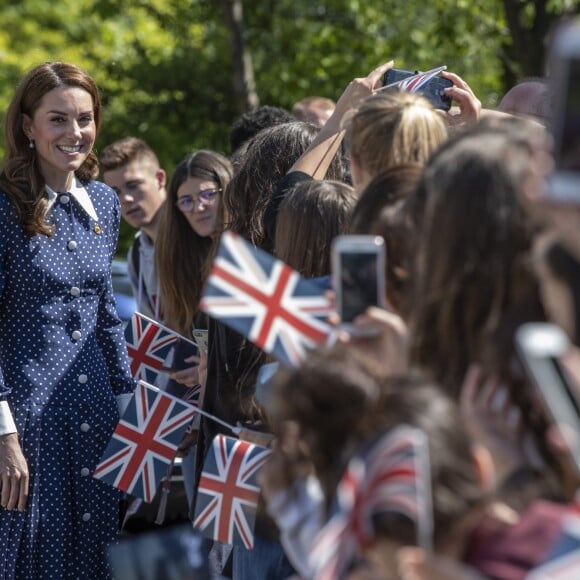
point(31, 144)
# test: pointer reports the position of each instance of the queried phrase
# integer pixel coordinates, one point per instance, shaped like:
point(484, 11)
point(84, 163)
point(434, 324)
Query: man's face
point(141, 191)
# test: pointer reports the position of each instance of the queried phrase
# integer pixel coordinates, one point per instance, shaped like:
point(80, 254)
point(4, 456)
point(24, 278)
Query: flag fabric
point(265, 300)
point(148, 344)
point(392, 475)
point(144, 442)
point(563, 562)
point(417, 82)
point(227, 495)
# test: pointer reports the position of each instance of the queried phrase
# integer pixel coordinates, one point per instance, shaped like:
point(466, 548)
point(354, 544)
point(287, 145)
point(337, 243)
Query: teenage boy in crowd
point(131, 168)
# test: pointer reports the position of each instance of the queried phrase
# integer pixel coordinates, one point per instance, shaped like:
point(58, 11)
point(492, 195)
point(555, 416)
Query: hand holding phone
point(433, 89)
point(358, 273)
point(542, 347)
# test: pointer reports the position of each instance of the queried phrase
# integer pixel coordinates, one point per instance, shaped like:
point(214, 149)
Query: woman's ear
point(26, 125)
point(484, 468)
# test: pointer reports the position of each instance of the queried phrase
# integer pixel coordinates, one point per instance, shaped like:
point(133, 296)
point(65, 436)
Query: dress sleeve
point(109, 330)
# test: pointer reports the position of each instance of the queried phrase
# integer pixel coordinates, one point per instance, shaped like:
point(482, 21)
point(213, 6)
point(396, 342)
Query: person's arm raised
point(318, 157)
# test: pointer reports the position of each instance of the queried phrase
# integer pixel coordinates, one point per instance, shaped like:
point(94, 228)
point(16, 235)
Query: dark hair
point(379, 211)
point(335, 388)
point(565, 267)
point(125, 151)
point(472, 259)
point(21, 177)
point(310, 216)
point(251, 123)
point(181, 255)
point(268, 158)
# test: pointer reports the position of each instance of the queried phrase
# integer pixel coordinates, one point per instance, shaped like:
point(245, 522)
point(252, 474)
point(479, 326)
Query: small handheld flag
point(144, 442)
point(148, 345)
point(392, 476)
point(265, 300)
point(227, 495)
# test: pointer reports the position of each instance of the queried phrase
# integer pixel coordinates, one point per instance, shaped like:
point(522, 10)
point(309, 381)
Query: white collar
point(79, 193)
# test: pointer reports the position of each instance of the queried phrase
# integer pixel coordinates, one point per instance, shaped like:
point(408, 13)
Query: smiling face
point(203, 216)
point(63, 131)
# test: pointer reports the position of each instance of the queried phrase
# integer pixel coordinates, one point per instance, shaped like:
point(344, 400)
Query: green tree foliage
point(165, 66)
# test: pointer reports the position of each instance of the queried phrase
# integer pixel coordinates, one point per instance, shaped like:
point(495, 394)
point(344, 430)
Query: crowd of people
point(474, 249)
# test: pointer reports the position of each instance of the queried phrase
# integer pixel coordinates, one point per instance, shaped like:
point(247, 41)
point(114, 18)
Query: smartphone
point(541, 348)
point(433, 91)
point(175, 359)
point(564, 183)
point(200, 338)
point(358, 275)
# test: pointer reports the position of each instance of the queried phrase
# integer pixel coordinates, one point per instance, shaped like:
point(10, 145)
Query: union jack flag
point(265, 300)
point(148, 344)
point(393, 475)
point(144, 442)
point(227, 495)
point(416, 82)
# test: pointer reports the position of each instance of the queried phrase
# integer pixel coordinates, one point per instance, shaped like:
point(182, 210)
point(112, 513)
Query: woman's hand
point(493, 421)
point(361, 88)
point(194, 375)
point(14, 476)
point(416, 564)
point(382, 337)
point(469, 104)
point(255, 436)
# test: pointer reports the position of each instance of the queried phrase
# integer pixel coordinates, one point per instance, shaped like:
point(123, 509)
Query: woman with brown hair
point(472, 256)
point(64, 368)
point(191, 221)
point(190, 224)
point(311, 216)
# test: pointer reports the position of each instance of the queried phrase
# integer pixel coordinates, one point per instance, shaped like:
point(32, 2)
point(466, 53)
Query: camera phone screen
point(359, 285)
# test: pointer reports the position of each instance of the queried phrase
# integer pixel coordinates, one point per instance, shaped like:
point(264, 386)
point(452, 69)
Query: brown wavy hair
point(21, 178)
point(181, 255)
point(268, 158)
point(310, 217)
point(472, 261)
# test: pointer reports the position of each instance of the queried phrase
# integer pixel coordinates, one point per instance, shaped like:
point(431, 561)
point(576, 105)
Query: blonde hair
point(394, 127)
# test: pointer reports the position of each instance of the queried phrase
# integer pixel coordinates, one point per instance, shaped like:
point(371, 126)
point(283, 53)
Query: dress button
point(75, 291)
point(83, 379)
point(86, 517)
point(72, 245)
point(85, 427)
point(76, 334)
point(64, 199)
point(84, 472)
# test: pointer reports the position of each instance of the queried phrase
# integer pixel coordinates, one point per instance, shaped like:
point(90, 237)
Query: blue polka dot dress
point(63, 361)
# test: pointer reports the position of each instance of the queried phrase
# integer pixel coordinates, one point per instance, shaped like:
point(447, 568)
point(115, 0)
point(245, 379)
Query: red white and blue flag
point(266, 301)
point(228, 492)
point(417, 82)
point(390, 476)
point(144, 442)
point(148, 344)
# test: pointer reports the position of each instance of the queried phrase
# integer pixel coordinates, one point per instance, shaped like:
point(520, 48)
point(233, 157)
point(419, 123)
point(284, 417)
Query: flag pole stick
point(235, 430)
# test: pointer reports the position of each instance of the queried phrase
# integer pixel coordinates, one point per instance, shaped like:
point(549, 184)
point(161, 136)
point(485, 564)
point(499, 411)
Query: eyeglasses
point(206, 196)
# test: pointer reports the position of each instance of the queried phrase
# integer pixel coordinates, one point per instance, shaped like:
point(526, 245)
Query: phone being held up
point(542, 348)
point(358, 274)
point(428, 84)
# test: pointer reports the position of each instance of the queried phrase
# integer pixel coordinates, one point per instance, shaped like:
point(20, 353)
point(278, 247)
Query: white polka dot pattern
point(62, 362)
